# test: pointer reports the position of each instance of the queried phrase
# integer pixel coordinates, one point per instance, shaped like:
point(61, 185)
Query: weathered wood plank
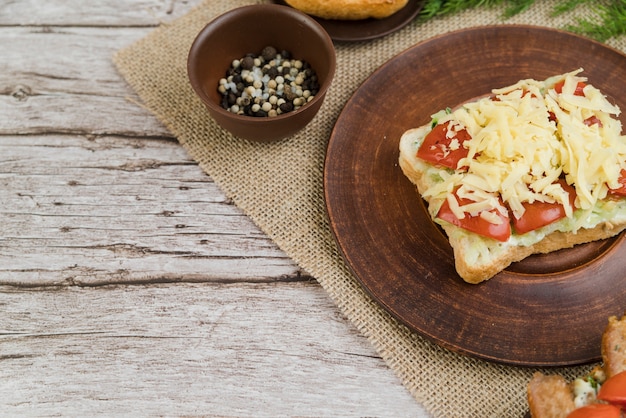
point(88, 210)
point(185, 349)
point(92, 13)
point(67, 83)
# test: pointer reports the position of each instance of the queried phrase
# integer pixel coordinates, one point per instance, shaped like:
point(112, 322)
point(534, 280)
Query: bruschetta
point(534, 167)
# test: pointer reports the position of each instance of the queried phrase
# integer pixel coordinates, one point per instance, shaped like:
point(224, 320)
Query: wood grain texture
point(189, 349)
point(129, 283)
point(109, 209)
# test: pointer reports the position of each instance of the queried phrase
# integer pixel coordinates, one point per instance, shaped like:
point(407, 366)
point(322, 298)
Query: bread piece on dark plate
point(348, 9)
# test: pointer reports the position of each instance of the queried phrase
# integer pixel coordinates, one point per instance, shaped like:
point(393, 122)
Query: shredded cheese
point(526, 137)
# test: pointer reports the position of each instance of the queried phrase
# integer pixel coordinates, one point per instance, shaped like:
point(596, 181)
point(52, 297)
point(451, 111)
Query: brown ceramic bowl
point(249, 29)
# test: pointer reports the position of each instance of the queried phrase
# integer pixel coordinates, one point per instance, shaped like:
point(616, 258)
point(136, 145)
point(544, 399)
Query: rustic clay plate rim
point(526, 315)
point(368, 29)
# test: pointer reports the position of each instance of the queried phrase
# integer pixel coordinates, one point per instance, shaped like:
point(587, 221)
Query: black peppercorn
point(269, 53)
point(247, 63)
point(272, 72)
point(286, 107)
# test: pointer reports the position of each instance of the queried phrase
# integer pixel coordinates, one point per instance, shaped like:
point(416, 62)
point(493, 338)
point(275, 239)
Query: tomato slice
point(476, 224)
point(593, 120)
point(620, 191)
point(613, 390)
point(558, 87)
point(524, 93)
point(551, 116)
point(596, 410)
point(540, 214)
point(436, 147)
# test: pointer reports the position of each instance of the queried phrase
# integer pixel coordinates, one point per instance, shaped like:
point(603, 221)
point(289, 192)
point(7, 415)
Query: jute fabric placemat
point(280, 186)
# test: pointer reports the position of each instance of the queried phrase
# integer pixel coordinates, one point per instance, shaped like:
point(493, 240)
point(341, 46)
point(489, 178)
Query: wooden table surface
point(129, 284)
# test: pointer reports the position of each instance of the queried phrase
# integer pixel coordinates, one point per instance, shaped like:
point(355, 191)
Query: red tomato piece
point(524, 93)
point(551, 116)
point(593, 120)
point(558, 87)
point(613, 390)
point(596, 410)
point(436, 147)
point(620, 191)
point(540, 214)
point(476, 224)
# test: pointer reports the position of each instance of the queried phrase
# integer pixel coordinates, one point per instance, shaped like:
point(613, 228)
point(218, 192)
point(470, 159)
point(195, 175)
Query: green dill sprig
point(434, 8)
point(609, 19)
point(568, 5)
point(609, 22)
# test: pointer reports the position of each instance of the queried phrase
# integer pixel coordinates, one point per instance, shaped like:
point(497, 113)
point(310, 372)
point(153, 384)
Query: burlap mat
point(279, 186)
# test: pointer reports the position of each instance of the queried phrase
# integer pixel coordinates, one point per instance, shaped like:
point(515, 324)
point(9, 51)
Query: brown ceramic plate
point(362, 30)
point(547, 310)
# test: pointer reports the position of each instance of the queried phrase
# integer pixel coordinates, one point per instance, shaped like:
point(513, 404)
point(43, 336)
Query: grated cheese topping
point(527, 136)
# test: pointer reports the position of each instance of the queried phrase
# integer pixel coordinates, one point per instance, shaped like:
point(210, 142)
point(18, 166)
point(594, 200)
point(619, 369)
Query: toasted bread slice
point(614, 346)
point(479, 258)
point(348, 9)
point(549, 396)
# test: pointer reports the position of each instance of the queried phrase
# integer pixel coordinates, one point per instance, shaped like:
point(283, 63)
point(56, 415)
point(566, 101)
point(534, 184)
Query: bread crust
point(348, 9)
point(614, 346)
point(473, 272)
point(549, 396)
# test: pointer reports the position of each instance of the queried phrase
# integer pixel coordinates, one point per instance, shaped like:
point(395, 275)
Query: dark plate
point(362, 30)
point(547, 310)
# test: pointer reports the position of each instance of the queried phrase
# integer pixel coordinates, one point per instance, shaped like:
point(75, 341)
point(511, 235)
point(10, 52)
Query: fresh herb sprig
point(434, 8)
point(610, 21)
point(609, 18)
